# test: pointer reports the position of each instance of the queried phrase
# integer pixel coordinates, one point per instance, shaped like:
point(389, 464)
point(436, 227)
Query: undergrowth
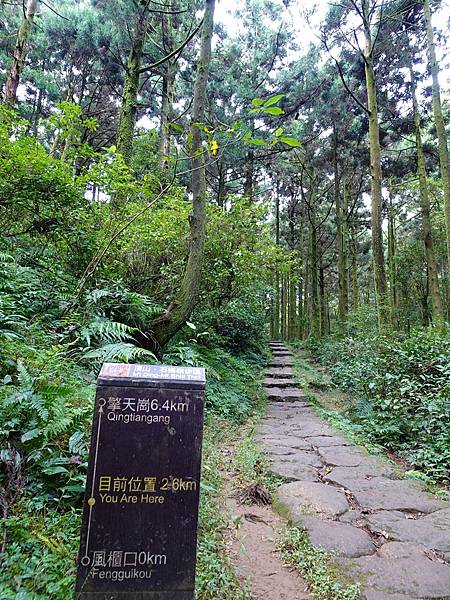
point(48, 373)
point(314, 566)
point(216, 579)
point(401, 391)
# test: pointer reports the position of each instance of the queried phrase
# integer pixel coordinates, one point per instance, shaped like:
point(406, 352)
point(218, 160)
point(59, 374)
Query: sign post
point(139, 529)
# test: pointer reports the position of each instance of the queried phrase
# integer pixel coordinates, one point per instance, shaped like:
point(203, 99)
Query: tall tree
point(127, 118)
point(365, 12)
point(370, 15)
point(164, 328)
point(439, 123)
point(23, 35)
point(433, 280)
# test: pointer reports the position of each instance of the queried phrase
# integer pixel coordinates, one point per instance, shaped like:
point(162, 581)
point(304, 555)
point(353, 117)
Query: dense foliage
point(46, 409)
point(401, 390)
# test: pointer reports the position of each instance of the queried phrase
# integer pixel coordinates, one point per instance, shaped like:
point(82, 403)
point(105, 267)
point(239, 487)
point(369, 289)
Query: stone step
point(278, 394)
point(282, 361)
point(279, 372)
point(281, 353)
point(279, 382)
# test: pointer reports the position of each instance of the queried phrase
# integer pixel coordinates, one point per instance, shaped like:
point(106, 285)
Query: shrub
point(402, 391)
point(238, 327)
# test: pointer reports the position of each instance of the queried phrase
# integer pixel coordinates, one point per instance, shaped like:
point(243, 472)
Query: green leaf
point(290, 141)
point(177, 127)
point(257, 142)
point(273, 100)
point(54, 470)
point(274, 110)
point(30, 435)
point(257, 101)
point(279, 131)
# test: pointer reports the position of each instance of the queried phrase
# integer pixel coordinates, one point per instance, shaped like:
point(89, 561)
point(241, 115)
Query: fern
point(104, 330)
point(120, 351)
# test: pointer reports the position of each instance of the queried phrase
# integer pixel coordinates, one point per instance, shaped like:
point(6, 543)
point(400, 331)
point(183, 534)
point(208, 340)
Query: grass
point(216, 579)
point(330, 403)
point(314, 566)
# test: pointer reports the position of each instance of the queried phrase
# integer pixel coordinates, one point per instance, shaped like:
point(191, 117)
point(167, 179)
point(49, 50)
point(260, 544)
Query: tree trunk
point(439, 124)
point(221, 189)
point(277, 273)
point(168, 88)
point(307, 293)
point(342, 249)
point(392, 263)
point(127, 117)
point(322, 300)
point(166, 326)
point(376, 176)
point(433, 279)
point(354, 268)
point(249, 175)
point(19, 54)
point(292, 307)
point(300, 288)
point(300, 308)
point(283, 306)
point(315, 304)
point(168, 94)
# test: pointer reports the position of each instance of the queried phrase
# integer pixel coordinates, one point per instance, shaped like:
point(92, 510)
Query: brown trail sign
point(139, 529)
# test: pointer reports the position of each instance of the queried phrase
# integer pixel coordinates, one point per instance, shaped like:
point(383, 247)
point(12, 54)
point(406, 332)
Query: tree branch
point(174, 53)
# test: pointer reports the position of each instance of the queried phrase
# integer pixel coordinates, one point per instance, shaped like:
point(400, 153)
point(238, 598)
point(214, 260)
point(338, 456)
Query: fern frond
point(106, 330)
point(119, 351)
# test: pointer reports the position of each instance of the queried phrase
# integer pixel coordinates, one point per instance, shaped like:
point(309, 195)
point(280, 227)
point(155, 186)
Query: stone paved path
point(389, 534)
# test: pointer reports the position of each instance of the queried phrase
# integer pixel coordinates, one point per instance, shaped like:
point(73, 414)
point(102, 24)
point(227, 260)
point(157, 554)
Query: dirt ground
point(252, 546)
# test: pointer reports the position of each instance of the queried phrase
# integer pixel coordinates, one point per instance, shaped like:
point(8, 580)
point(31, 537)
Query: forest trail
point(252, 550)
point(387, 534)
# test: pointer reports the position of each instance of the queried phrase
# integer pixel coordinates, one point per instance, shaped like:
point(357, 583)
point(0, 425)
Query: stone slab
point(281, 361)
point(298, 411)
point(302, 497)
point(323, 441)
point(287, 404)
point(369, 595)
point(389, 494)
point(281, 394)
point(303, 457)
point(414, 576)
point(280, 372)
point(313, 428)
point(354, 477)
point(433, 530)
point(342, 456)
point(294, 472)
point(340, 538)
point(272, 444)
point(273, 451)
